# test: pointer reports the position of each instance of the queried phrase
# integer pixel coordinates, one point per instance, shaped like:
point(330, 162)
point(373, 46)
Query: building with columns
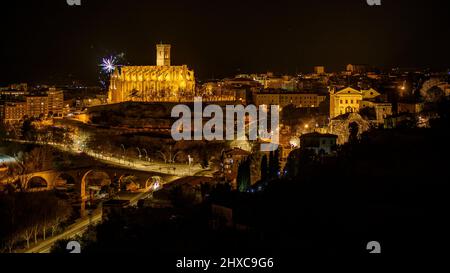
point(347, 100)
point(160, 83)
point(350, 100)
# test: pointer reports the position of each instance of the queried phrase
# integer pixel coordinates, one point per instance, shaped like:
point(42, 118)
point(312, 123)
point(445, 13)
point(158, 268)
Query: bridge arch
point(120, 180)
point(154, 181)
point(127, 179)
point(84, 181)
point(83, 185)
point(37, 183)
point(65, 179)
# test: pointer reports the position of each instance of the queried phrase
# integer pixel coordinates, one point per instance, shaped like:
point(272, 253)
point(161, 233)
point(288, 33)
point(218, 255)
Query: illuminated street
point(134, 164)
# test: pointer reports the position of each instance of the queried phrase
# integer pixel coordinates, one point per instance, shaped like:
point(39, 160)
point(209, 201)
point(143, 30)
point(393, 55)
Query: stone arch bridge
point(79, 176)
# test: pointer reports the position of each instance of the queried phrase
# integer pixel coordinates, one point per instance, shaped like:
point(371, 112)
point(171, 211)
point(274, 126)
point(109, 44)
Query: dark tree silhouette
point(274, 164)
point(354, 130)
point(243, 176)
point(28, 130)
point(24, 216)
point(264, 169)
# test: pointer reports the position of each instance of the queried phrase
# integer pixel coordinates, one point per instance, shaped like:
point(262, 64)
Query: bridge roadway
point(80, 177)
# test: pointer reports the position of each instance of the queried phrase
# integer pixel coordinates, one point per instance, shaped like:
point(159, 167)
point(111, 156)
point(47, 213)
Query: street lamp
point(146, 154)
point(140, 154)
point(175, 156)
point(123, 156)
point(190, 161)
point(163, 156)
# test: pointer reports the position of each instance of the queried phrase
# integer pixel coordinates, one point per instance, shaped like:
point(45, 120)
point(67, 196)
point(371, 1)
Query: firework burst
point(109, 64)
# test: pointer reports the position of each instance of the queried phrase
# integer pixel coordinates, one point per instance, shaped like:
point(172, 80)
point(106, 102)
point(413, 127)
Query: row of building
point(20, 103)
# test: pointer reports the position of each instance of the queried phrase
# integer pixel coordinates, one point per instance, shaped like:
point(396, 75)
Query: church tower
point(154, 83)
point(163, 55)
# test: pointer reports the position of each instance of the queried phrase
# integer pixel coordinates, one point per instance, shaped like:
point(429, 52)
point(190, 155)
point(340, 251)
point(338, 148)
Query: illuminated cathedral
point(160, 83)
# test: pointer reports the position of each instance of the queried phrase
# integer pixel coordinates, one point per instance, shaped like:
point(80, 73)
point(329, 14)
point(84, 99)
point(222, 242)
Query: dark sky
point(44, 41)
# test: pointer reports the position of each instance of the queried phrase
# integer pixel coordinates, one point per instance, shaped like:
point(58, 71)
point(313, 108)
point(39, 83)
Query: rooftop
point(316, 134)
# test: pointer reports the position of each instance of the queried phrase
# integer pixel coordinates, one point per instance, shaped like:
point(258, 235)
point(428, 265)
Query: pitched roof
point(349, 90)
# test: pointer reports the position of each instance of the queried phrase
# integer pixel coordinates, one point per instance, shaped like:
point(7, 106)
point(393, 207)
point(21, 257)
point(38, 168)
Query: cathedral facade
point(160, 83)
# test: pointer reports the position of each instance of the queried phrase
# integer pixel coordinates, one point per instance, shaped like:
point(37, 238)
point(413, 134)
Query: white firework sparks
point(109, 64)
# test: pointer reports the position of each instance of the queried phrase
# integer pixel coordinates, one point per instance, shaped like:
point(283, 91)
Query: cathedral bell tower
point(163, 55)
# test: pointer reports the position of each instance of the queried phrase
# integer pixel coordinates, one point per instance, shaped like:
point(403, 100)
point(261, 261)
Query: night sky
point(49, 41)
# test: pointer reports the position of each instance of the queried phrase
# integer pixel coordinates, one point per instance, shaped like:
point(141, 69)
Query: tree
point(60, 213)
point(27, 215)
point(289, 112)
point(264, 169)
point(28, 130)
point(204, 158)
point(298, 161)
point(182, 196)
point(354, 130)
point(274, 164)
point(3, 131)
point(271, 155)
point(9, 221)
point(243, 176)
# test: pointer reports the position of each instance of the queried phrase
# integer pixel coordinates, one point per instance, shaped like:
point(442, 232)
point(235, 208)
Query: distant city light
point(295, 142)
